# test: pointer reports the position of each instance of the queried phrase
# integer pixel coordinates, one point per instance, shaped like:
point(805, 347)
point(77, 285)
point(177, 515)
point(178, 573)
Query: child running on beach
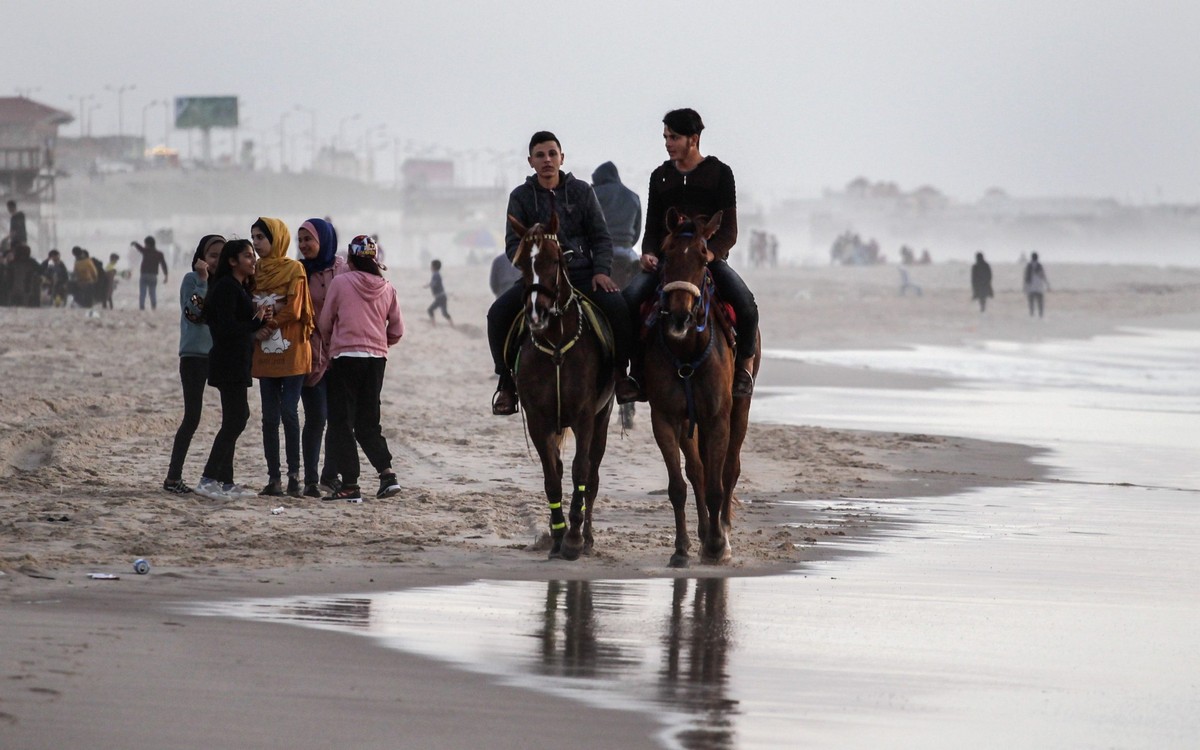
point(233, 319)
point(283, 356)
point(439, 292)
point(317, 240)
point(359, 321)
point(194, 344)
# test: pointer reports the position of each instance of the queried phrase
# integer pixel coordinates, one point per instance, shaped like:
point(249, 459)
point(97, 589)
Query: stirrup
point(629, 390)
point(743, 387)
point(504, 402)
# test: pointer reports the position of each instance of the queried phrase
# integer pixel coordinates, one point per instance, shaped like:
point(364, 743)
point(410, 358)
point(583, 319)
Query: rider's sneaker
point(504, 401)
point(629, 390)
point(743, 383)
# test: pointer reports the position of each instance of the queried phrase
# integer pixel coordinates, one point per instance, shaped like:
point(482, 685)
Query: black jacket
point(622, 207)
point(229, 313)
point(582, 231)
point(702, 192)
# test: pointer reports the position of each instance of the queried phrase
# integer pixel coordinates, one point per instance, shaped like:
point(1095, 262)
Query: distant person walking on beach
point(232, 319)
point(359, 321)
point(283, 356)
point(318, 244)
point(152, 260)
point(195, 341)
point(1036, 285)
point(439, 292)
point(981, 281)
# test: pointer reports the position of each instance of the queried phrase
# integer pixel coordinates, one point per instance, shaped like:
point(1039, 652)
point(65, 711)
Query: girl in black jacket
point(232, 319)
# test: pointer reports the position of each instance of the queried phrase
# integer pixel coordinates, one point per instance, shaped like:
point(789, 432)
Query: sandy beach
point(90, 405)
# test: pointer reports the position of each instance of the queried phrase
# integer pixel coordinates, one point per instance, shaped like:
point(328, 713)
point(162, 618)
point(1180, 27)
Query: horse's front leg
point(667, 436)
point(599, 445)
point(714, 546)
point(581, 472)
point(547, 445)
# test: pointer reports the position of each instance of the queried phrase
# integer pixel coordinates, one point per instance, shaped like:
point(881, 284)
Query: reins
point(685, 370)
point(557, 353)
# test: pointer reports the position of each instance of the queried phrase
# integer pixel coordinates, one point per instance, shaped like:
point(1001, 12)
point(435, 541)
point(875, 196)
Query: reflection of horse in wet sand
point(689, 384)
point(563, 381)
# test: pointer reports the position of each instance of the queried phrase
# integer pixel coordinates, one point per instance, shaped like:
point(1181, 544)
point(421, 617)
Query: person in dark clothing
point(24, 279)
point(623, 213)
point(439, 292)
point(585, 241)
point(981, 281)
point(1036, 285)
point(152, 260)
point(693, 185)
point(232, 319)
point(17, 235)
point(55, 277)
point(504, 274)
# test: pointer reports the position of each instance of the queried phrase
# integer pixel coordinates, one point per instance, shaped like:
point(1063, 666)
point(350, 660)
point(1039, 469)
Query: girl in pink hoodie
point(359, 321)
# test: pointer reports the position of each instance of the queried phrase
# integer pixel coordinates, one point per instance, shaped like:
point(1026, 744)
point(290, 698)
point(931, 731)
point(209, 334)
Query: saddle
point(721, 310)
point(593, 319)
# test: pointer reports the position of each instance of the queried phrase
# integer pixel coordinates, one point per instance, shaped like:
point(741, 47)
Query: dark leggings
point(508, 306)
point(439, 303)
point(193, 371)
point(235, 412)
point(354, 387)
point(730, 288)
point(316, 415)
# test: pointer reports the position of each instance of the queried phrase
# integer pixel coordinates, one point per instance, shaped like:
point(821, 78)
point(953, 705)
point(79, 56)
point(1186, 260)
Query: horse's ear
point(673, 219)
point(517, 226)
point(553, 222)
point(712, 226)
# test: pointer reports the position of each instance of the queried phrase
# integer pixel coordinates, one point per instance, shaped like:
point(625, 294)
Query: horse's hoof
point(679, 561)
point(571, 552)
point(556, 552)
point(721, 557)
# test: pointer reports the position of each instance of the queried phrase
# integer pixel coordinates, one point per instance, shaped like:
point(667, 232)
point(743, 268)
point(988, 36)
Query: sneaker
point(237, 490)
point(312, 490)
point(273, 489)
point(211, 489)
point(333, 484)
point(348, 493)
point(176, 487)
point(388, 485)
point(293, 487)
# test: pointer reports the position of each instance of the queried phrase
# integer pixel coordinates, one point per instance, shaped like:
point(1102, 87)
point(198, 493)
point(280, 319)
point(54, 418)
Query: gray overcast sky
point(1040, 97)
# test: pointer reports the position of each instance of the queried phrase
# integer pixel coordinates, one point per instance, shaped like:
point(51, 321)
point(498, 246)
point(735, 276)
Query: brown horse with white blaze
point(563, 381)
point(689, 384)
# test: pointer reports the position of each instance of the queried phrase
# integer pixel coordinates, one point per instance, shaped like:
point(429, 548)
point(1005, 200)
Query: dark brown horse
point(564, 382)
point(689, 383)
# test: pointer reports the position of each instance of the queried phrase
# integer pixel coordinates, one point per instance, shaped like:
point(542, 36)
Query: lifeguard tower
point(28, 138)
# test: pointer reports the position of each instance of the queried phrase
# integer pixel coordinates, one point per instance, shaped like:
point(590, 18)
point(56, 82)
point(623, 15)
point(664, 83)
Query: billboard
point(206, 112)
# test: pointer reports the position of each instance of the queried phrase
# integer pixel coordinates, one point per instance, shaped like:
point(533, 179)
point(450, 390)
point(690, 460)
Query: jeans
point(148, 282)
point(281, 402)
point(316, 414)
point(235, 412)
point(354, 387)
point(193, 372)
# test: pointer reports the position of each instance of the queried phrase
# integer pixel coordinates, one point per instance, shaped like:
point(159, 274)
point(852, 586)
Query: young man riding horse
point(694, 185)
point(582, 234)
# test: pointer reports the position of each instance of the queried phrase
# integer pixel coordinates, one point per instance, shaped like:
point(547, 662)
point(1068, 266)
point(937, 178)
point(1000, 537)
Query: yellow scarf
point(277, 273)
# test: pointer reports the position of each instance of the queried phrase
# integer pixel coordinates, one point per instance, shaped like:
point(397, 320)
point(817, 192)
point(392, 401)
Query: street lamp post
point(91, 108)
point(342, 127)
point(312, 113)
point(120, 92)
point(82, 99)
point(283, 143)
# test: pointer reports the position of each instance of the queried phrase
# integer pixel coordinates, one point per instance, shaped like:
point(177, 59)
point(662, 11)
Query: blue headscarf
point(327, 236)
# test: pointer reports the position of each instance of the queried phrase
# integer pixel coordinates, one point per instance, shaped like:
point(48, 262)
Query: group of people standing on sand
point(314, 330)
point(1035, 284)
point(689, 182)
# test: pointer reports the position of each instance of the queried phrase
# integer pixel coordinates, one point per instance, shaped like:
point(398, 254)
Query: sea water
point(1056, 613)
